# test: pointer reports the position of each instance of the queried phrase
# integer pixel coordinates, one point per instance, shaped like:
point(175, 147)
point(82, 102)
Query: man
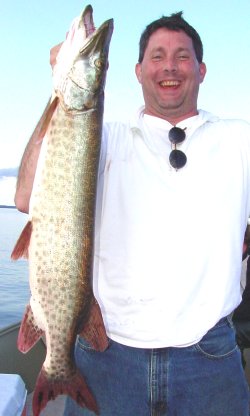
point(168, 200)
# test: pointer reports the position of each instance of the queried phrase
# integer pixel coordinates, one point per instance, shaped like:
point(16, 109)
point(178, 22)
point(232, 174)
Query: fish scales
point(60, 235)
point(67, 257)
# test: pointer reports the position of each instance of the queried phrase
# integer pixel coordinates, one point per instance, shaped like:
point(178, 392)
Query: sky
point(29, 28)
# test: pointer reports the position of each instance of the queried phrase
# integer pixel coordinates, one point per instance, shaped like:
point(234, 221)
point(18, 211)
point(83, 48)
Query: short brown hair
point(176, 23)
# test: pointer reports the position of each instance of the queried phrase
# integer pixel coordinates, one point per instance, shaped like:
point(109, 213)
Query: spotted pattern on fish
point(62, 223)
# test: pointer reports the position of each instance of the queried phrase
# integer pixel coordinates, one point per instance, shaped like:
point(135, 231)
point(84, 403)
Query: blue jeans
point(205, 379)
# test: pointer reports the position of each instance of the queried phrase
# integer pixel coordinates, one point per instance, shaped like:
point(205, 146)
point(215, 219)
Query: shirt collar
point(196, 121)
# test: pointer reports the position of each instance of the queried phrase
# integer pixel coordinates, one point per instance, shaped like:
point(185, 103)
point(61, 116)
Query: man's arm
point(53, 54)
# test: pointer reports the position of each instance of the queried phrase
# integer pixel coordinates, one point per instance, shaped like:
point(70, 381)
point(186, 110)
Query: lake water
point(14, 285)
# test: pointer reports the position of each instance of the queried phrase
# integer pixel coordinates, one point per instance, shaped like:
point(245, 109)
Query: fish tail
point(75, 387)
point(23, 242)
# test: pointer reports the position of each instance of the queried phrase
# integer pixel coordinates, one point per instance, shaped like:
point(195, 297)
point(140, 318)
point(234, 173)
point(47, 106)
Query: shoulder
point(115, 128)
point(226, 129)
point(236, 132)
point(114, 135)
point(115, 139)
point(218, 122)
point(118, 135)
point(233, 125)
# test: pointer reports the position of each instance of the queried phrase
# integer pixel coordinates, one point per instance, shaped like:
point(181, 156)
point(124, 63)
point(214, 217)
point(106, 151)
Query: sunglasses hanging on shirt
point(177, 158)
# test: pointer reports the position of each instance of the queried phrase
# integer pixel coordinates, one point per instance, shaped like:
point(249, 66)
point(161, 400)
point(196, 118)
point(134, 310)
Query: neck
point(172, 119)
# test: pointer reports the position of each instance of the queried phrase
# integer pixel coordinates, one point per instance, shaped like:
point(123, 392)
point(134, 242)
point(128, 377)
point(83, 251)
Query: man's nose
point(170, 65)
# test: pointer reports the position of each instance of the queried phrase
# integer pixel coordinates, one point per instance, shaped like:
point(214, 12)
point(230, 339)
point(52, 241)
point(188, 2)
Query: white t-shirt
point(169, 243)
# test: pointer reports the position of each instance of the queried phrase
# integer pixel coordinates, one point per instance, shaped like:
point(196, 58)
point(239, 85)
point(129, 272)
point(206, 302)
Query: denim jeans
point(205, 379)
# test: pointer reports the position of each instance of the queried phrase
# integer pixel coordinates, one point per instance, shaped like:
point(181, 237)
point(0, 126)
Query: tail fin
point(48, 389)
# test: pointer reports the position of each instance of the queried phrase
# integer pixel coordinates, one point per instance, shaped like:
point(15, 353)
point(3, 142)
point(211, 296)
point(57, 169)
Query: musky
point(30, 28)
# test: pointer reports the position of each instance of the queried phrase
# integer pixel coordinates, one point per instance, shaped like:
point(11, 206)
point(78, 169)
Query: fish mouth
point(87, 20)
point(98, 39)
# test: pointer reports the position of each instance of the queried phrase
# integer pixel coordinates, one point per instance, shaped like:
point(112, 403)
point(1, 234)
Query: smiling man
point(170, 75)
point(172, 208)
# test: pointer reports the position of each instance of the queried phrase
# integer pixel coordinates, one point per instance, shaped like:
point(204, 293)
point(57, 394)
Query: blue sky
point(29, 28)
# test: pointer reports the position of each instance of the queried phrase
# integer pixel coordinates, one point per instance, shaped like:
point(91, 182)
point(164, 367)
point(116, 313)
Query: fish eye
point(99, 63)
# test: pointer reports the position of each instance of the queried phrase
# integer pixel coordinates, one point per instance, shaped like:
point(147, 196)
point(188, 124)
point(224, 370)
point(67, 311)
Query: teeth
point(169, 83)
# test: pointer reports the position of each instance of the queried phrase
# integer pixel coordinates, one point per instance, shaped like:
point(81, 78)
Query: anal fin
point(29, 332)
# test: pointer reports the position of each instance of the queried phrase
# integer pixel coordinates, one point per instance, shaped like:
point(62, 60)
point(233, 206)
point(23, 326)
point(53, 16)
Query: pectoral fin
point(22, 245)
point(43, 123)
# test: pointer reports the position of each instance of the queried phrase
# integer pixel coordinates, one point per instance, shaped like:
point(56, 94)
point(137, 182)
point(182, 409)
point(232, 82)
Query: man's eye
point(156, 57)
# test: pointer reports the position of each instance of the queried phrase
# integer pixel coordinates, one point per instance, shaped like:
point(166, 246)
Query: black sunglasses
point(177, 158)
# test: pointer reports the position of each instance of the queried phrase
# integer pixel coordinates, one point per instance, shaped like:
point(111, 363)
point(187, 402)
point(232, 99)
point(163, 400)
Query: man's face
point(170, 76)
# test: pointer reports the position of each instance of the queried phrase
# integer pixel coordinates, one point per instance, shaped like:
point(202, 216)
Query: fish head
point(81, 86)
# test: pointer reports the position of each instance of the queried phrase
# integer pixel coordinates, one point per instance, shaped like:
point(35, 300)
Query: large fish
point(59, 236)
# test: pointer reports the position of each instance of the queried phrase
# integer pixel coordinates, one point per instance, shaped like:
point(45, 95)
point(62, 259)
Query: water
point(14, 285)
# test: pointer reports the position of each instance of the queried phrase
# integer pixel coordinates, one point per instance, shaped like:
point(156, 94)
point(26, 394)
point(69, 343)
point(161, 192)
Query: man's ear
point(203, 71)
point(138, 71)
